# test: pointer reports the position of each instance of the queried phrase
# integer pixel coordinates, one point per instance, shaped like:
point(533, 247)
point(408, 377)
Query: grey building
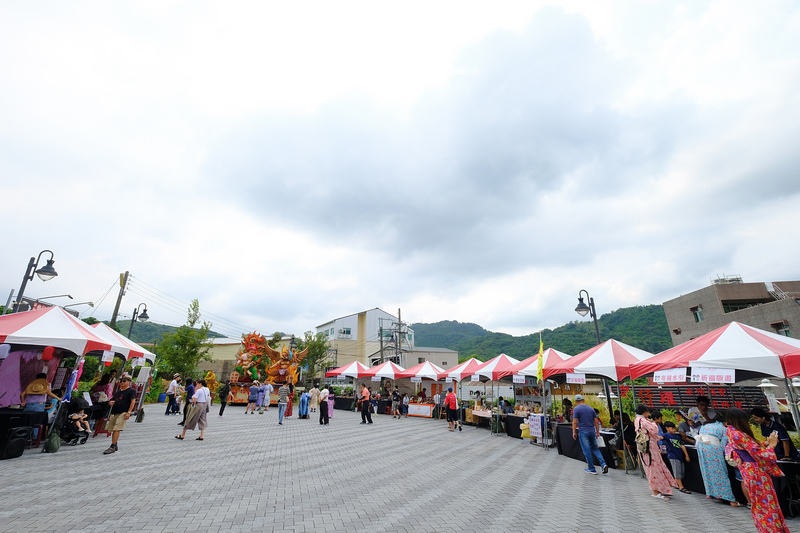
point(771, 306)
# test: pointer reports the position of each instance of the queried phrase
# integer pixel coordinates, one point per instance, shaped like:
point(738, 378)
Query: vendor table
point(420, 409)
point(570, 447)
point(383, 405)
point(15, 418)
point(344, 403)
point(512, 426)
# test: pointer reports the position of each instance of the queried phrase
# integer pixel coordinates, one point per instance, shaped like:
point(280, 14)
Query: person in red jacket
point(452, 410)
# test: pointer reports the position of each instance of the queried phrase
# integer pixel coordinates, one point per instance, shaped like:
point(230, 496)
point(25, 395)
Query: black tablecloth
point(512, 426)
point(343, 402)
point(15, 418)
point(570, 447)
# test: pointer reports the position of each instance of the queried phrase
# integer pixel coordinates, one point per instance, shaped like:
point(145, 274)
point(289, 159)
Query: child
point(676, 453)
point(78, 420)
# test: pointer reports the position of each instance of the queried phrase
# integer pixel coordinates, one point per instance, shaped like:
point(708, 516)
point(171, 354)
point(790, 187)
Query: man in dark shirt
point(189, 394)
point(785, 448)
point(122, 403)
point(396, 399)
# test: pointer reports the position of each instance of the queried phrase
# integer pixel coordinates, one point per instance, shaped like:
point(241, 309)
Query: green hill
point(150, 332)
point(644, 327)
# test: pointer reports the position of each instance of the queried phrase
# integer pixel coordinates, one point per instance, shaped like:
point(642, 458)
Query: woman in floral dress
point(758, 463)
point(661, 481)
point(711, 454)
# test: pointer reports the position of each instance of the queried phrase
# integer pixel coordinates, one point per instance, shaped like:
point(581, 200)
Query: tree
point(275, 340)
point(180, 352)
point(318, 356)
point(90, 320)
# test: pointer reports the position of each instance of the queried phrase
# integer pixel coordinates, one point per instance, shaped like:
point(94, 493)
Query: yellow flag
point(539, 370)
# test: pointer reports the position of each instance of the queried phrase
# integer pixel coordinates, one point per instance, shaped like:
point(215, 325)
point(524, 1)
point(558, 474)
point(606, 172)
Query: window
point(420, 360)
point(444, 364)
point(345, 331)
point(676, 331)
point(781, 328)
point(697, 312)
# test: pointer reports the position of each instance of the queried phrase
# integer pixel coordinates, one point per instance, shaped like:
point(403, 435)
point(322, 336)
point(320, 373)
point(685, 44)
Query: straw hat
point(37, 386)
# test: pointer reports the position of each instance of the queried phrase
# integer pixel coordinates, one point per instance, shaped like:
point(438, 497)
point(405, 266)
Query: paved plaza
point(409, 475)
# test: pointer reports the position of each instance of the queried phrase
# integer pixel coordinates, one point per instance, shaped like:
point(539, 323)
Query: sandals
point(660, 496)
point(736, 504)
point(178, 437)
point(685, 491)
point(199, 438)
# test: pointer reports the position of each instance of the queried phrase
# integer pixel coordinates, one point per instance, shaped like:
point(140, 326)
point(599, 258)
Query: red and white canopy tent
point(462, 370)
point(611, 359)
point(387, 370)
point(733, 345)
point(497, 367)
point(530, 366)
point(121, 344)
point(426, 370)
point(50, 326)
point(352, 370)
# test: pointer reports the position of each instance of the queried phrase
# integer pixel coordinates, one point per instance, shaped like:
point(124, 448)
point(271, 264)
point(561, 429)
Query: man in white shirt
point(172, 391)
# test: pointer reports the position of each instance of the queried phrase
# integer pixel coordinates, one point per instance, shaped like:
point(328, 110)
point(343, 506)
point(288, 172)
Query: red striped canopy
point(50, 326)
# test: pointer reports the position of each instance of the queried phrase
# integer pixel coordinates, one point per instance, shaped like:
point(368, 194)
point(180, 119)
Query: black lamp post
point(583, 309)
point(46, 273)
point(141, 316)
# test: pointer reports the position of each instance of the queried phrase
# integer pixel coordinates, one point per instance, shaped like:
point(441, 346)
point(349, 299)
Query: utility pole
point(380, 336)
point(398, 348)
point(123, 282)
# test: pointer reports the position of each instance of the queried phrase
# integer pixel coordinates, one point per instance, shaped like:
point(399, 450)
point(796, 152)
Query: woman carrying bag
point(197, 411)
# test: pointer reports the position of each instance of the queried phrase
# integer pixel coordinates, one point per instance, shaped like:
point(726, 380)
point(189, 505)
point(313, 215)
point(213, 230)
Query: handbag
point(191, 411)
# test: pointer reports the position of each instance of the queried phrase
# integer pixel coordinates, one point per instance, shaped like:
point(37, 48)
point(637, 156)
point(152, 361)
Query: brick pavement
point(410, 475)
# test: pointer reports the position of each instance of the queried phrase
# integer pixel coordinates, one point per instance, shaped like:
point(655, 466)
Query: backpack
point(642, 441)
point(52, 442)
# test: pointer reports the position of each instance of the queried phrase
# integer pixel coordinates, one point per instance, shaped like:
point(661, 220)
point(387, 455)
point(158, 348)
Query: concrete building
point(771, 306)
point(369, 337)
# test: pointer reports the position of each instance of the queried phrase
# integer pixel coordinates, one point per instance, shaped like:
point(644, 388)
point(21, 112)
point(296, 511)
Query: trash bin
point(162, 397)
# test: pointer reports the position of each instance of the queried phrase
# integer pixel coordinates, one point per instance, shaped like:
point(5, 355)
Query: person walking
point(222, 395)
point(366, 417)
point(313, 399)
point(451, 404)
point(189, 390)
point(331, 396)
point(586, 429)
point(303, 406)
point(262, 390)
point(172, 390)
point(658, 477)
point(323, 406)
point(406, 401)
point(200, 402)
point(122, 403)
point(290, 400)
point(758, 465)
point(283, 397)
point(396, 401)
point(268, 390)
point(252, 398)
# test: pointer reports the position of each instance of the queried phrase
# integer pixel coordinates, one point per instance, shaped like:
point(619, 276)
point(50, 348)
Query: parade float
point(258, 361)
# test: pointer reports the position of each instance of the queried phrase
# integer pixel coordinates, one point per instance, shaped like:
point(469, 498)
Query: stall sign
point(144, 375)
point(713, 375)
point(449, 380)
point(341, 377)
point(536, 422)
point(774, 407)
point(416, 380)
point(475, 377)
point(576, 378)
point(672, 375)
point(108, 356)
point(375, 378)
point(519, 379)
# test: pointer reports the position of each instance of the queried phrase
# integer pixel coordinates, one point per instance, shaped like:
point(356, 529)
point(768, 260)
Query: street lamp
point(46, 273)
point(583, 309)
point(141, 316)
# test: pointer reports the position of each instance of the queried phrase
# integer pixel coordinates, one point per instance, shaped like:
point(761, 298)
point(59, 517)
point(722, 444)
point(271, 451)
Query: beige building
point(772, 307)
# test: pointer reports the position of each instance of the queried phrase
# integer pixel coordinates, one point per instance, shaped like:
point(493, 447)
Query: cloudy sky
point(287, 164)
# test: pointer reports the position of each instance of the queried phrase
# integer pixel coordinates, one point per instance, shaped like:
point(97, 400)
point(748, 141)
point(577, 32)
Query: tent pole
point(792, 403)
point(621, 429)
point(633, 392)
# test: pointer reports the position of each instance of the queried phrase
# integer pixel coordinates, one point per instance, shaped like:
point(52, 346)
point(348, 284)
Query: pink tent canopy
point(384, 370)
point(121, 344)
point(610, 359)
point(497, 367)
point(467, 368)
point(50, 326)
point(733, 345)
point(530, 366)
point(426, 370)
point(352, 370)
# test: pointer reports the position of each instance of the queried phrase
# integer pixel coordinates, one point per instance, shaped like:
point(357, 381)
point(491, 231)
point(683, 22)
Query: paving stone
point(409, 475)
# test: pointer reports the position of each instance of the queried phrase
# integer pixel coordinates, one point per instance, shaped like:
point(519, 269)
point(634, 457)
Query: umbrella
point(50, 326)
point(426, 370)
point(497, 368)
point(467, 368)
point(352, 370)
point(384, 370)
point(120, 344)
point(610, 359)
point(733, 345)
point(530, 366)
